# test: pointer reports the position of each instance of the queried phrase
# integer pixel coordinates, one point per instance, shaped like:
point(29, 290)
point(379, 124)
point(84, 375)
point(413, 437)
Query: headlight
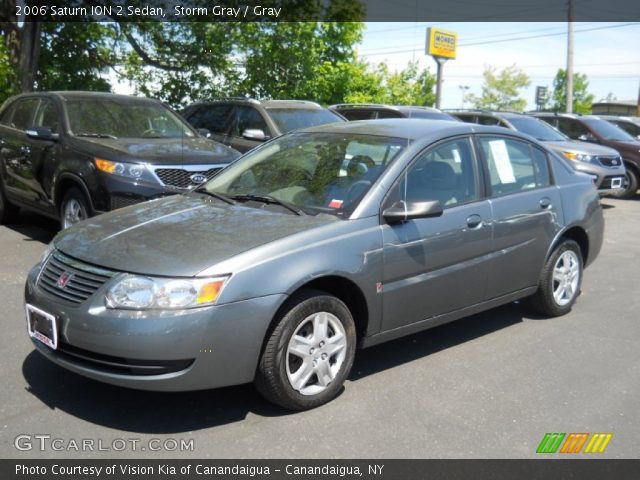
point(134, 292)
point(49, 250)
point(579, 157)
point(134, 171)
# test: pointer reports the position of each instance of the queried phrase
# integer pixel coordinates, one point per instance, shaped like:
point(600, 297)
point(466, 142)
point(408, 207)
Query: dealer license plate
point(42, 326)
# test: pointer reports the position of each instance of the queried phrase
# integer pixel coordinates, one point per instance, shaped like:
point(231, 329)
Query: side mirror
point(204, 132)
point(402, 211)
point(42, 133)
point(254, 134)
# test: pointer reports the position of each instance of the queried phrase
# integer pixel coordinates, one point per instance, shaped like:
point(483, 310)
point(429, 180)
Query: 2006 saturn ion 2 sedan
point(314, 244)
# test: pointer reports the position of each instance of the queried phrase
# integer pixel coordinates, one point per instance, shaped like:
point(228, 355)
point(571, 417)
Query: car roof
point(489, 113)
point(410, 128)
point(381, 106)
point(288, 104)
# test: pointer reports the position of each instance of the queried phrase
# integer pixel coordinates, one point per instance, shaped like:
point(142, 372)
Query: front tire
point(74, 208)
point(630, 185)
point(560, 281)
point(309, 353)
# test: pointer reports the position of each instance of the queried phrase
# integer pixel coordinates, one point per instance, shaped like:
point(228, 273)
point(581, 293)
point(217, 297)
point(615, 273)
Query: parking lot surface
point(489, 386)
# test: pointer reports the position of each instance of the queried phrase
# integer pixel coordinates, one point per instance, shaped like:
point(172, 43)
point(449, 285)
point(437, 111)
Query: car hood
point(177, 236)
point(158, 151)
point(627, 147)
point(580, 147)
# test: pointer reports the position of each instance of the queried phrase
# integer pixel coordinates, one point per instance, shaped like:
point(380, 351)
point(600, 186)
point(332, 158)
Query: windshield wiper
point(219, 196)
point(269, 199)
point(96, 135)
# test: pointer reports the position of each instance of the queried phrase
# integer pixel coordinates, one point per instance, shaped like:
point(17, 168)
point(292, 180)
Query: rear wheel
point(309, 353)
point(560, 280)
point(74, 208)
point(8, 211)
point(630, 185)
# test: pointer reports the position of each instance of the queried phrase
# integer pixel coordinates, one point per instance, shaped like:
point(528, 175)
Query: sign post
point(442, 46)
point(541, 97)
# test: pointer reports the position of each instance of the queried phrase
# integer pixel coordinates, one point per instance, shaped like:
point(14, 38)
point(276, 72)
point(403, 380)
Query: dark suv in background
point(71, 155)
point(372, 111)
point(244, 123)
point(603, 164)
point(593, 129)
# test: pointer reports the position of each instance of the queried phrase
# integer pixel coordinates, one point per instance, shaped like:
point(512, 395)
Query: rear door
point(434, 266)
point(526, 211)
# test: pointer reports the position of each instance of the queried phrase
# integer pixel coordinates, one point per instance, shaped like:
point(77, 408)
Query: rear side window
point(215, 118)
point(248, 118)
point(514, 166)
point(23, 113)
point(571, 128)
point(357, 114)
point(389, 114)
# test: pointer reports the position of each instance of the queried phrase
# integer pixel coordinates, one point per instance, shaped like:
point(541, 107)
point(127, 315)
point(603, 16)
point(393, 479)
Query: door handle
point(474, 221)
point(545, 203)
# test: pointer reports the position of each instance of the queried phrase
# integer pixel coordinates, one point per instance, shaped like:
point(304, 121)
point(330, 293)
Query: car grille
point(119, 365)
point(177, 177)
point(82, 280)
point(609, 160)
point(120, 201)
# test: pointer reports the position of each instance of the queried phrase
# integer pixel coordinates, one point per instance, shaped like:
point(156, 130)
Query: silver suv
point(601, 163)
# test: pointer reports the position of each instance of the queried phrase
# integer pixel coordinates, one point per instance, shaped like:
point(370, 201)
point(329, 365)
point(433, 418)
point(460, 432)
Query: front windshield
point(315, 172)
point(107, 117)
point(538, 129)
point(608, 131)
point(288, 119)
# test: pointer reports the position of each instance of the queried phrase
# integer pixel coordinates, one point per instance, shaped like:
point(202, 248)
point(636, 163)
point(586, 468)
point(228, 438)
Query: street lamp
point(463, 89)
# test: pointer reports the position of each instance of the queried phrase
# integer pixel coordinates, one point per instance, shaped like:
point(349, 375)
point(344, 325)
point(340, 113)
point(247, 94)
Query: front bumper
point(602, 176)
point(166, 351)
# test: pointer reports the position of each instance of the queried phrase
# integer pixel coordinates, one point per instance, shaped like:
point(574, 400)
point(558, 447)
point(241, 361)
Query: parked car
point(72, 155)
point(631, 125)
point(602, 163)
point(592, 129)
point(278, 268)
point(372, 111)
point(245, 123)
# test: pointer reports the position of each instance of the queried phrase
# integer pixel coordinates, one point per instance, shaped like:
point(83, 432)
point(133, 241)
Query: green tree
point(501, 90)
point(410, 86)
point(582, 99)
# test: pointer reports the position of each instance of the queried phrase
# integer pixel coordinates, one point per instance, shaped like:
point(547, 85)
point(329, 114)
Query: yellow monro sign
point(441, 43)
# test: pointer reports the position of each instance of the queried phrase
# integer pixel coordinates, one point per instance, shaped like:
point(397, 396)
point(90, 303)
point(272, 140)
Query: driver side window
point(446, 173)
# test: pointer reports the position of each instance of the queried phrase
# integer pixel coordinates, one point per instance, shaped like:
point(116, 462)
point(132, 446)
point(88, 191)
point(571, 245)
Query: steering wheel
point(357, 190)
point(151, 132)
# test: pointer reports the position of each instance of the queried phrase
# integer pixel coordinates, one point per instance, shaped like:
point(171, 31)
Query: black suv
point(374, 111)
point(244, 123)
point(595, 130)
point(71, 155)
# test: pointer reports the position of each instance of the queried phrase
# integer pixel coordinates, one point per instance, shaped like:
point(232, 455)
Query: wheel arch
point(340, 287)
point(578, 235)
point(66, 181)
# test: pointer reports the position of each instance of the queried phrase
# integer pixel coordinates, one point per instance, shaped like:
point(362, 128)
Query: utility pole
point(569, 82)
point(464, 89)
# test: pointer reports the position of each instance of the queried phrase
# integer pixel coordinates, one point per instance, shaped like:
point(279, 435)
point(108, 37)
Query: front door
point(434, 266)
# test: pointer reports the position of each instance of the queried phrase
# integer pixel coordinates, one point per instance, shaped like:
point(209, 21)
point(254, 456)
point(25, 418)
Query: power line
point(375, 53)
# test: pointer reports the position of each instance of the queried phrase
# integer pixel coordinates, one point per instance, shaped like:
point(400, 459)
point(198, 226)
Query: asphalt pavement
point(489, 386)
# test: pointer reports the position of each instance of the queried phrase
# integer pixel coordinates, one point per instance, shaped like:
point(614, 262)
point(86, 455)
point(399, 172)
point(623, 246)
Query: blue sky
point(607, 52)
